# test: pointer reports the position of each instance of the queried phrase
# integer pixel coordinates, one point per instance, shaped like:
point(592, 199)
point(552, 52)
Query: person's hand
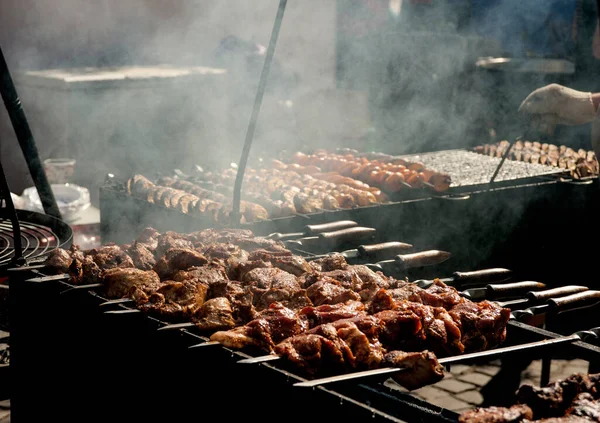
point(555, 104)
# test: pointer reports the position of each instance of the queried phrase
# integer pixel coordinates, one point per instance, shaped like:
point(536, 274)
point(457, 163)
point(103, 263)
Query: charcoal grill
point(122, 368)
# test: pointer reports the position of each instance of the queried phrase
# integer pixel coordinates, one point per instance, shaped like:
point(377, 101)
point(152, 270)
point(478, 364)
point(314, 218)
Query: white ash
point(469, 168)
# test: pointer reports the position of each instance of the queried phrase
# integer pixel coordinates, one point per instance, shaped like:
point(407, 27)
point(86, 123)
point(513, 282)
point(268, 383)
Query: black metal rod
point(14, 219)
point(237, 189)
point(504, 156)
point(25, 138)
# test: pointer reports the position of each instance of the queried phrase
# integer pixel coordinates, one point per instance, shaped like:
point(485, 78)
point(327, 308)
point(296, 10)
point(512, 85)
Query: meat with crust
point(120, 282)
point(515, 414)
point(419, 368)
point(176, 259)
point(176, 300)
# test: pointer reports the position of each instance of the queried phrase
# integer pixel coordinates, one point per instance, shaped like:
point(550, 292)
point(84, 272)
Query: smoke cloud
point(372, 75)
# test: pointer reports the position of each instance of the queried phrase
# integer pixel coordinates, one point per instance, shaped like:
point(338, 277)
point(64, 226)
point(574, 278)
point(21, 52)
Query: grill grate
point(37, 240)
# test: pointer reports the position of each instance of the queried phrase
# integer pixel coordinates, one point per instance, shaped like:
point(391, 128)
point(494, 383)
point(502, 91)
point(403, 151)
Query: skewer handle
point(482, 276)
point(555, 292)
point(575, 301)
point(511, 289)
point(422, 258)
point(357, 233)
point(383, 251)
point(329, 227)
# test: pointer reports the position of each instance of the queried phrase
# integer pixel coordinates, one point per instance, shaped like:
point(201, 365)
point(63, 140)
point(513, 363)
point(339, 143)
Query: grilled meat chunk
point(311, 352)
point(330, 291)
point(421, 368)
point(110, 256)
point(360, 352)
point(328, 313)
point(169, 240)
point(329, 263)
point(515, 414)
point(270, 285)
point(554, 399)
point(176, 300)
point(141, 255)
point(176, 259)
point(585, 406)
point(149, 238)
point(59, 260)
point(482, 324)
point(270, 327)
point(214, 315)
point(121, 282)
point(208, 274)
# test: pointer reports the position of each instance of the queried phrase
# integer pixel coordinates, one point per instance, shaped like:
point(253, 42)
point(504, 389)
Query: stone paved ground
point(459, 390)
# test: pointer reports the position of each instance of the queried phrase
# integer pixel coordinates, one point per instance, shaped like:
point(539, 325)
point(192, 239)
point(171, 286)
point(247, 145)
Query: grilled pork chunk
point(421, 368)
point(176, 300)
point(514, 414)
point(269, 328)
point(120, 283)
point(176, 259)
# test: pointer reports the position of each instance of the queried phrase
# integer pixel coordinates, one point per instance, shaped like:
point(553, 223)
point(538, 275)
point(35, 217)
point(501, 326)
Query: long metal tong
point(237, 188)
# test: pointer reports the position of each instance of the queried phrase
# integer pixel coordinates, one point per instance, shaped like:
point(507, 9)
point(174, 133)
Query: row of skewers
point(580, 163)
point(324, 316)
point(306, 184)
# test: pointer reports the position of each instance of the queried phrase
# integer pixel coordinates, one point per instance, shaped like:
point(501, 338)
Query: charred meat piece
point(237, 269)
point(110, 256)
point(284, 260)
point(271, 285)
point(59, 260)
point(176, 259)
point(330, 291)
point(420, 368)
point(271, 327)
point(482, 324)
point(176, 300)
point(399, 326)
point(312, 352)
point(142, 256)
point(553, 399)
point(208, 274)
point(328, 313)
point(441, 295)
point(149, 238)
point(329, 263)
point(84, 270)
point(220, 251)
point(585, 406)
point(120, 282)
point(169, 240)
point(515, 414)
point(215, 314)
point(360, 351)
point(239, 297)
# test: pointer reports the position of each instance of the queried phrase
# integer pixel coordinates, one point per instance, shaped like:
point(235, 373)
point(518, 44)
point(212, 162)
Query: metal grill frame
point(130, 335)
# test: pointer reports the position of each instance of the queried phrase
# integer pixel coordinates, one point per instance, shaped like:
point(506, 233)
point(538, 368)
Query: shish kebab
point(301, 348)
point(567, 300)
point(115, 255)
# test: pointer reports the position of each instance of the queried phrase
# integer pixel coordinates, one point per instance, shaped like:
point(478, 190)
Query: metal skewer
point(235, 214)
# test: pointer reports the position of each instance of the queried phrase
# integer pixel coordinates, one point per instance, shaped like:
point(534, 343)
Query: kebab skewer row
point(360, 346)
point(567, 301)
point(411, 368)
point(391, 176)
point(407, 291)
